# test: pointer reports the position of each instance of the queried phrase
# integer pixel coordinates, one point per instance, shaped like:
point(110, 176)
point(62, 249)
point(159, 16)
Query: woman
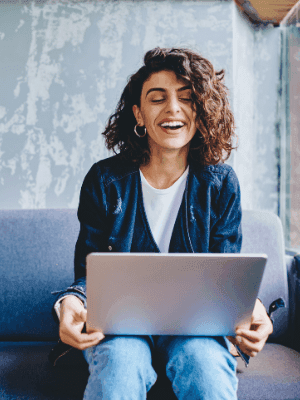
point(167, 190)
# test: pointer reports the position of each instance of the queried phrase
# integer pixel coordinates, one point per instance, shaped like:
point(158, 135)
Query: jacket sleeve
point(226, 232)
point(93, 232)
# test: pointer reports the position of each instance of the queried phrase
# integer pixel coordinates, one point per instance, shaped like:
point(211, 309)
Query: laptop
point(172, 293)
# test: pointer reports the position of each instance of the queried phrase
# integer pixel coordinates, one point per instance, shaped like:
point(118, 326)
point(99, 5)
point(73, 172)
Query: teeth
point(172, 124)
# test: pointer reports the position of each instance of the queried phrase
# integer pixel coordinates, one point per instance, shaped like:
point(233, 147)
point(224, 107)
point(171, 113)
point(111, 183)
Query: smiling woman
point(167, 190)
point(199, 88)
point(166, 111)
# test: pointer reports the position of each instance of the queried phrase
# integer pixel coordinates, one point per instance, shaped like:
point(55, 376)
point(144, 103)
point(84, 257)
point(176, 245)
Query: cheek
point(150, 117)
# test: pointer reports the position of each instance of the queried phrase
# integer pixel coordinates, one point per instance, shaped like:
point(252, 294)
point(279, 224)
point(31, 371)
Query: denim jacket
point(109, 200)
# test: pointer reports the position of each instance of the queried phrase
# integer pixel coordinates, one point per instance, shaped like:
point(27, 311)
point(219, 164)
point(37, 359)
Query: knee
point(125, 360)
point(202, 352)
point(120, 352)
point(202, 365)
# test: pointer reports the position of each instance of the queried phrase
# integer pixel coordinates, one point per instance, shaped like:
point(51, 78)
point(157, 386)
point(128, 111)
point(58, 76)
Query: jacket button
point(109, 248)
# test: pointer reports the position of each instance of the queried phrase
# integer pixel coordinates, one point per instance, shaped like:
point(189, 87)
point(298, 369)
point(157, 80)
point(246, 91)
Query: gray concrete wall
point(267, 47)
point(256, 68)
point(289, 128)
point(63, 67)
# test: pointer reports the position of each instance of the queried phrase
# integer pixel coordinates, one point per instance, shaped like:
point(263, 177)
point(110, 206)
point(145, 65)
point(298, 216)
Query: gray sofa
point(36, 254)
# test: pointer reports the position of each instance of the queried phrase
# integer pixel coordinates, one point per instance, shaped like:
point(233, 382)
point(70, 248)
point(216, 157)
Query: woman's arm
point(93, 230)
point(226, 237)
point(226, 229)
point(92, 238)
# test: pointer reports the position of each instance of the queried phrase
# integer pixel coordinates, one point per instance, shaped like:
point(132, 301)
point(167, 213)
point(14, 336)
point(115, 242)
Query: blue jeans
point(198, 367)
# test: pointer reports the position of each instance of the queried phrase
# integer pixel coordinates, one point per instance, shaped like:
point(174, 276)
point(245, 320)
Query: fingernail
point(238, 339)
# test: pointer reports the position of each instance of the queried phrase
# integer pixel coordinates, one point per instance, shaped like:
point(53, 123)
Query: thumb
point(83, 315)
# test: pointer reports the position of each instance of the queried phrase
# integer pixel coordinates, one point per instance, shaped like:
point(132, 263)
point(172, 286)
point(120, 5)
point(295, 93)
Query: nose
point(173, 105)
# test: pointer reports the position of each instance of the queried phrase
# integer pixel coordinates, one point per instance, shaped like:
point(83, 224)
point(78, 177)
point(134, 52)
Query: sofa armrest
point(289, 260)
point(293, 271)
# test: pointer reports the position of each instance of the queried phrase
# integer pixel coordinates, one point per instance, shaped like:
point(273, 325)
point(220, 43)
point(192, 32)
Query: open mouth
point(172, 125)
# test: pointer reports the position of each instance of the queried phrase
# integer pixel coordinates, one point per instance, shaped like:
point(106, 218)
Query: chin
point(174, 147)
point(169, 144)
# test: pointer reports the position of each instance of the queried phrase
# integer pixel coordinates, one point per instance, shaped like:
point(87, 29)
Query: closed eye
point(157, 100)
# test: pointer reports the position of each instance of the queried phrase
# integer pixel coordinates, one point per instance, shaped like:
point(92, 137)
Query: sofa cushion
point(26, 374)
point(36, 257)
point(274, 374)
point(262, 233)
point(294, 289)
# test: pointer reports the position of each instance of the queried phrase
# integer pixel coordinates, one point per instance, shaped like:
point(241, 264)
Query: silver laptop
point(171, 294)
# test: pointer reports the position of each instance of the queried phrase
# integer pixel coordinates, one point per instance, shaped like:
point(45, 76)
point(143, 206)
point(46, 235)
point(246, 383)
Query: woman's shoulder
point(218, 174)
point(112, 168)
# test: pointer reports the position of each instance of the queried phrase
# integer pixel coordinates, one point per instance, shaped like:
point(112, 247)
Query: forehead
point(164, 79)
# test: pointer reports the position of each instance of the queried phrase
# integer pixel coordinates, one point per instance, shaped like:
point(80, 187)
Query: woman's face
point(166, 110)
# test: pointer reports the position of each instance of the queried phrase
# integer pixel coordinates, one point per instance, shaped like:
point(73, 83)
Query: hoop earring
point(140, 136)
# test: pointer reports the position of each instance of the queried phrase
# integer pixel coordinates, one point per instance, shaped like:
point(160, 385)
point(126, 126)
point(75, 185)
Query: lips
point(171, 124)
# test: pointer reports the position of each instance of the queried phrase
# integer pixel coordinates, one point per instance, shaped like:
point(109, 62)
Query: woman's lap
point(120, 368)
point(198, 367)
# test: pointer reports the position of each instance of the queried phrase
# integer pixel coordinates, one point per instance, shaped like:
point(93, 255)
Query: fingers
point(251, 341)
point(246, 347)
point(79, 340)
point(233, 351)
point(261, 333)
point(72, 334)
point(73, 318)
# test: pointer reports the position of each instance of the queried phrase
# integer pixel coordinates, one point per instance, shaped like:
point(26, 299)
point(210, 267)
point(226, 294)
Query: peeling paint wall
point(267, 47)
point(243, 102)
point(289, 124)
point(294, 110)
point(256, 74)
point(63, 67)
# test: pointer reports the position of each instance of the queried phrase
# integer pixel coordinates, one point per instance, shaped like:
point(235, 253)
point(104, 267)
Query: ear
point(138, 115)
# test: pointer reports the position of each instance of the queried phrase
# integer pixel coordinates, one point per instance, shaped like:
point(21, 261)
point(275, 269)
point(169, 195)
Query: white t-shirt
point(161, 207)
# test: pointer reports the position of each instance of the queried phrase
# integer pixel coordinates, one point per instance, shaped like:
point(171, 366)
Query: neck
point(165, 167)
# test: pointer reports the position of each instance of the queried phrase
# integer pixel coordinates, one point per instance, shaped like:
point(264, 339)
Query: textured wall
point(63, 67)
point(293, 191)
point(244, 103)
point(256, 68)
point(267, 47)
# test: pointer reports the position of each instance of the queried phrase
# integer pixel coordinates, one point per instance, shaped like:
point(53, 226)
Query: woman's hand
point(251, 341)
point(72, 320)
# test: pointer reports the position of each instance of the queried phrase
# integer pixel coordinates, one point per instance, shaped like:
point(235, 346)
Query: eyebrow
point(164, 90)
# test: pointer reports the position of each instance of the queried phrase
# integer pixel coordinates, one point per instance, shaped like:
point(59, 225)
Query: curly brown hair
point(213, 141)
